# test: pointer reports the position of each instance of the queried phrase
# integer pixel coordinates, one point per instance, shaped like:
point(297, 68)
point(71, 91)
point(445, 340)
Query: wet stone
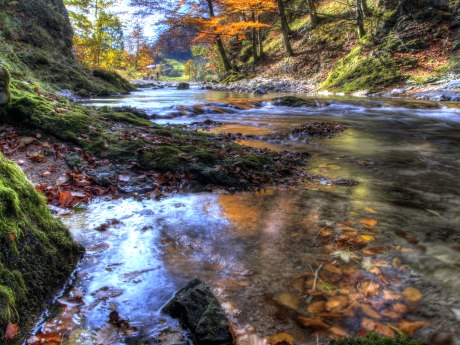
point(199, 310)
point(183, 86)
point(291, 101)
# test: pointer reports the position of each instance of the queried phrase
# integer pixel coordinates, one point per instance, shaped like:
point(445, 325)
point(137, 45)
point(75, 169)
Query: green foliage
point(376, 339)
point(37, 252)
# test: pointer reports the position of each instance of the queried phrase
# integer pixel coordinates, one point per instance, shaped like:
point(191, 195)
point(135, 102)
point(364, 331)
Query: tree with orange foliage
point(201, 14)
point(250, 12)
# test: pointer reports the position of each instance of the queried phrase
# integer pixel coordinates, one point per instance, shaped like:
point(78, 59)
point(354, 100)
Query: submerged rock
point(291, 101)
point(318, 129)
point(201, 313)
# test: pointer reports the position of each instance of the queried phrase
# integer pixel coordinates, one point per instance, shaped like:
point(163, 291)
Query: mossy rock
point(295, 102)
point(37, 253)
point(113, 78)
point(360, 71)
point(376, 339)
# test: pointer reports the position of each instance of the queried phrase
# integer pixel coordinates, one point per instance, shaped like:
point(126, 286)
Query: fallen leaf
point(11, 331)
point(369, 288)
point(337, 303)
point(370, 210)
point(316, 307)
point(367, 238)
point(281, 338)
point(409, 327)
point(289, 301)
point(369, 311)
point(389, 295)
point(312, 323)
point(345, 255)
point(375, 326)
point(338, 331)
point(65, 198)
point(412, 294)
point(400, 308)
point(370, 223)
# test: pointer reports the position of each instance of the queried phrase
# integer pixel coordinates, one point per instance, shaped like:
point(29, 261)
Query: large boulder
point(4, 86)
point(199, 310)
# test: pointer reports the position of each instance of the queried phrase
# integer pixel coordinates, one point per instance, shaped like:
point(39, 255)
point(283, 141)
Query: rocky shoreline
point(440, 91)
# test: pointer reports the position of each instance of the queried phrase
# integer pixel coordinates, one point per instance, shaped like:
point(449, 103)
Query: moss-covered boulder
point(37, 253)
point(4, 86)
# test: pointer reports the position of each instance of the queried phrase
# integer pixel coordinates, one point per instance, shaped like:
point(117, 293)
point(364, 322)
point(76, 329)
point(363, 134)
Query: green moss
point(37, 252)
point(362, 71)
point(232, 77)
point(375, 339)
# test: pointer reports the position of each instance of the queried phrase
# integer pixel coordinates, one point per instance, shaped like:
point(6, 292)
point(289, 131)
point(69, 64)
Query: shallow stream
point(383, 255)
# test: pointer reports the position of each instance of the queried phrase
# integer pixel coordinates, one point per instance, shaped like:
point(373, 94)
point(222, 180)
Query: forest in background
point(344, 45)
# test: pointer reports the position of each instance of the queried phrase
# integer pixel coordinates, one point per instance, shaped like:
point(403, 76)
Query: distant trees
point(235, 30)
point(99, 40)
point(98, 34)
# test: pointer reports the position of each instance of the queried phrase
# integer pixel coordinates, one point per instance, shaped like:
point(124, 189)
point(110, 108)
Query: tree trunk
point(365, 8)
point(261, 44)
point(284, 27)
point(313, 14)
point(220, 44)
point(254, 39)
point(360, 19)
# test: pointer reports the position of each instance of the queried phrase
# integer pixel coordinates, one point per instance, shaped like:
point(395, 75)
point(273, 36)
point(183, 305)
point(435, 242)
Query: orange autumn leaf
point(281, 338)
point(11, 331)
point(412, 294)
point(337, 303)
point(369, 311)
point(370, 210)
point(389, 295)
point(370, 223)
point(367, 238)
point(316, 307)
point(312, 323)
point(369, 288)
point(338, 331)
point(12, 236)
point(375, 326)
point(65, 198)
point(409, 327)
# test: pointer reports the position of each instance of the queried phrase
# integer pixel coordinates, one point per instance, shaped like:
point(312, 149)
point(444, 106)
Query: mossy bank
point(36, 47)
point(37, 253)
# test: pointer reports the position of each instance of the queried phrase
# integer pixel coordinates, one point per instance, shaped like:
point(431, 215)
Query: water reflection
point(258, 250)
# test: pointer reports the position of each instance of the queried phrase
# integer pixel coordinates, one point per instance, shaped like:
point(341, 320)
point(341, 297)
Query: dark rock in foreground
point(201, 313)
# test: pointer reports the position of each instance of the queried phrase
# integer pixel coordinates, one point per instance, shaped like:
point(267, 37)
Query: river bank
point(447, 90)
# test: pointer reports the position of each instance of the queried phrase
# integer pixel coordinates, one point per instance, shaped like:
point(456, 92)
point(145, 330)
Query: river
point(383, 255)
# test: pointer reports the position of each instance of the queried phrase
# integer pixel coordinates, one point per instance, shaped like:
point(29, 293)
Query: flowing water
point(383, 255)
